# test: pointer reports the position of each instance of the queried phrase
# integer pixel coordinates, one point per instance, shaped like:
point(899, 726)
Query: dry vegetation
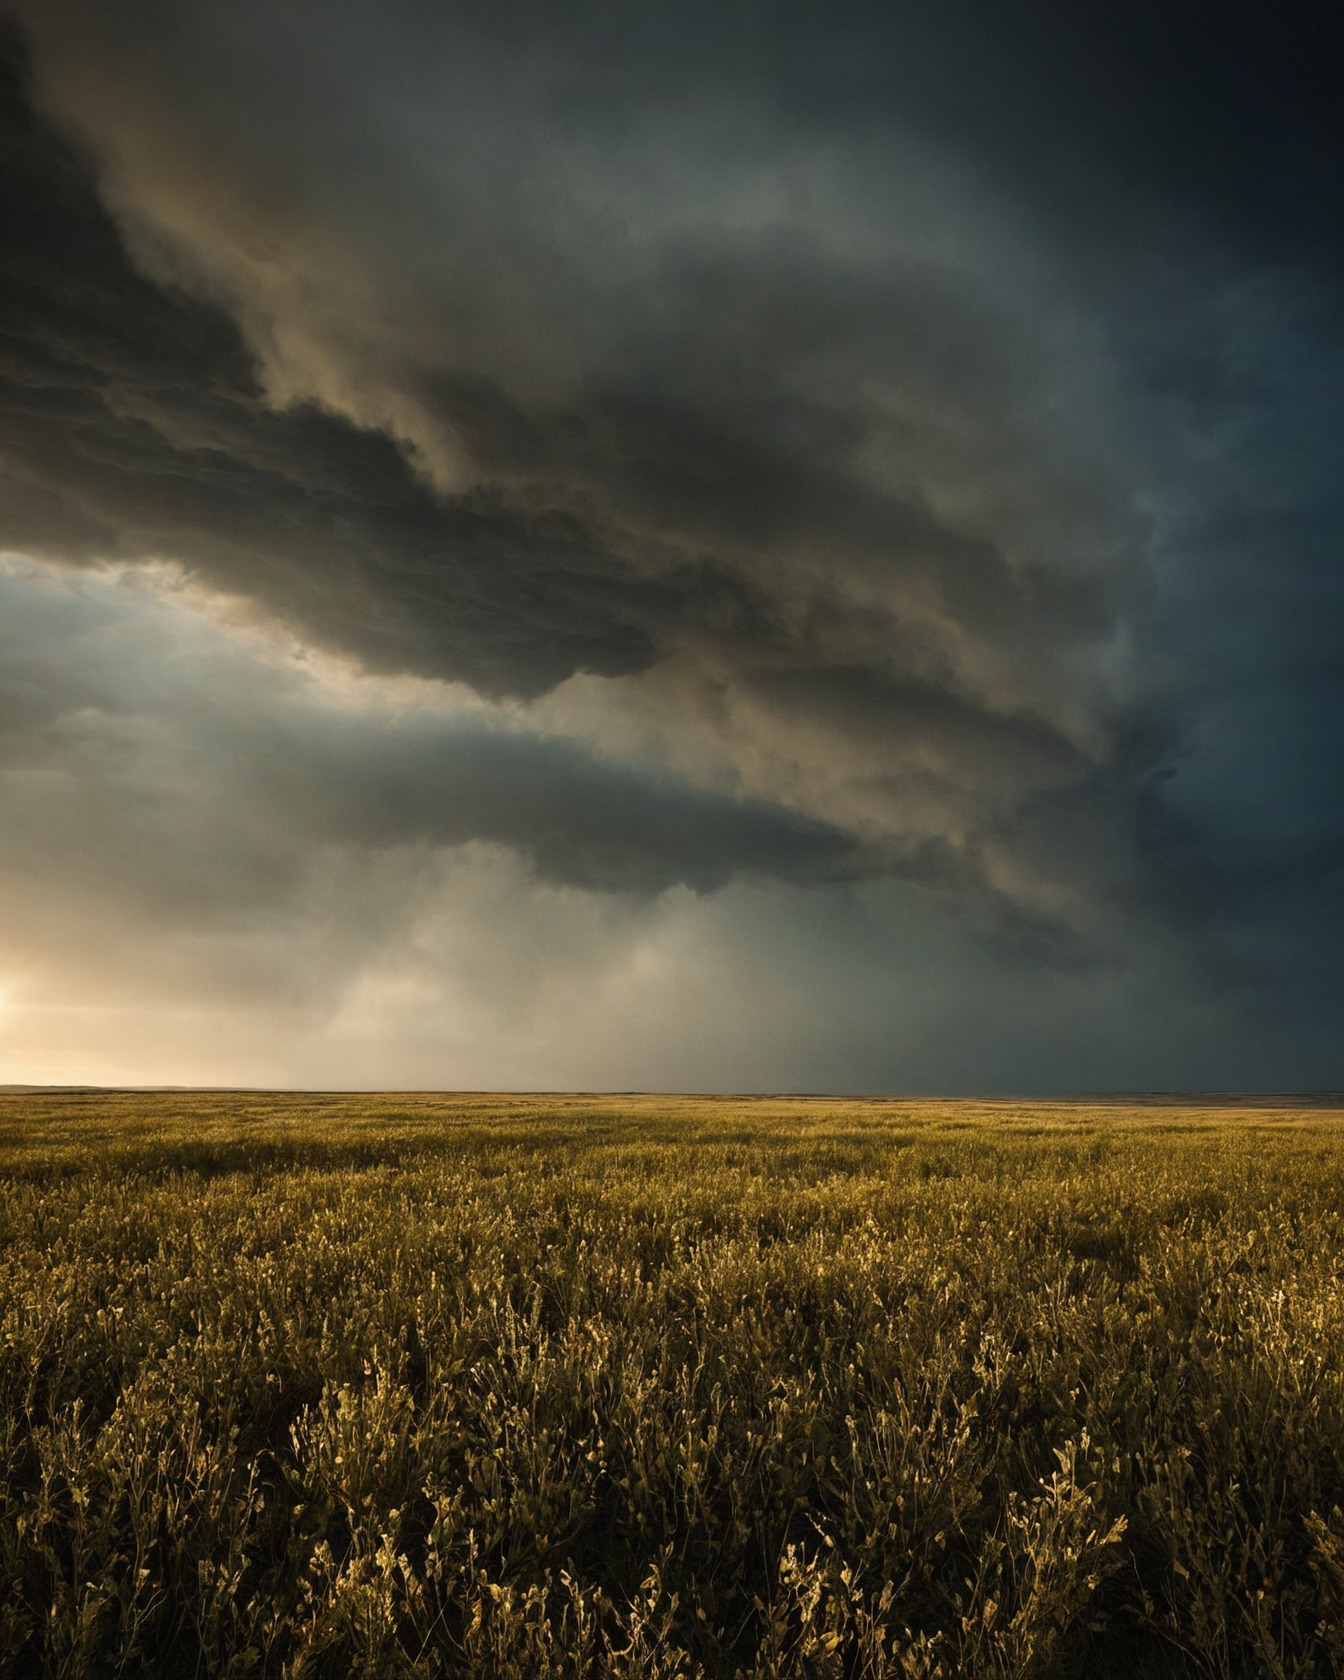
point(635, 1387)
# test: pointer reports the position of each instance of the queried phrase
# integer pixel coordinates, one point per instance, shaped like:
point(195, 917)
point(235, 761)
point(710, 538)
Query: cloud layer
point(800, 463)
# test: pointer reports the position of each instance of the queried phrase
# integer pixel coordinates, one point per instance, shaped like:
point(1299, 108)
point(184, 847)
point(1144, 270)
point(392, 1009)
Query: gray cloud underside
point(367, 779)
point(908, 460)
point(216, 865)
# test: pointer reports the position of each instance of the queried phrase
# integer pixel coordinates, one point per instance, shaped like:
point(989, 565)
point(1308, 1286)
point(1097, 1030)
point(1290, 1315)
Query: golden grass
point(543, 1386)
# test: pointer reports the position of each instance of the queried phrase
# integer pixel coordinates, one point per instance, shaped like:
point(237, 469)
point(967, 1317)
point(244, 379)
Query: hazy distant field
point(669, 1387)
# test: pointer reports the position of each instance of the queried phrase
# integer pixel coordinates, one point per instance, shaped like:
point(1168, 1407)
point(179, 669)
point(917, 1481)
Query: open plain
point(645, 1386)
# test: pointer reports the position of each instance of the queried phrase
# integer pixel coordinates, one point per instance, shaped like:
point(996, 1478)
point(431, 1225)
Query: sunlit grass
point(547, 1386)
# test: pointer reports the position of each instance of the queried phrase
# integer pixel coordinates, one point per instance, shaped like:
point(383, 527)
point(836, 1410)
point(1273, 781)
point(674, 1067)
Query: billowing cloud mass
point(786, 547)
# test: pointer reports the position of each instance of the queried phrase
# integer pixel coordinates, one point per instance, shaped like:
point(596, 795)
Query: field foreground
point(669, 1387)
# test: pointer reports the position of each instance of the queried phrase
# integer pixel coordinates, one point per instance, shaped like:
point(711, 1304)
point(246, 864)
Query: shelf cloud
point(831, 463)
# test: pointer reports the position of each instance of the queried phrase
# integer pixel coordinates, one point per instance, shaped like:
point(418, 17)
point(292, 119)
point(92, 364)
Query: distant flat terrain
point(486, 1385)
point(58, 1123)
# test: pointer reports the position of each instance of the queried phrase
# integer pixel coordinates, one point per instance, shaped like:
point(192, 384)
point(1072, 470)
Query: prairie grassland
point(541, 1387)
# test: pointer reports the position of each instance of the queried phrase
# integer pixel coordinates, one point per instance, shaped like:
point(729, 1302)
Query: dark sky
point(755, 546)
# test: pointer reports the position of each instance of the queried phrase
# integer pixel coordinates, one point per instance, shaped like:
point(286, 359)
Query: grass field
point(310, 1386)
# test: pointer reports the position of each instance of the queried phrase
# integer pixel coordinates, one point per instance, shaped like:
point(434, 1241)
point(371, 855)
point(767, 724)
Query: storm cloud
point(861, 453)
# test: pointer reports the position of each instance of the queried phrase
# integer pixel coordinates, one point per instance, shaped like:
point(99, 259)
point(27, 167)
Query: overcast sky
point(749, 546)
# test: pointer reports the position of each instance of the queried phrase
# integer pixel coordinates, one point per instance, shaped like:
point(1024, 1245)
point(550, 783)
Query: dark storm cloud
point(132, 424)
point(1228, 113)
point(582, 823)
point(700, 489)
point(326, 775)
point(891, 441)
